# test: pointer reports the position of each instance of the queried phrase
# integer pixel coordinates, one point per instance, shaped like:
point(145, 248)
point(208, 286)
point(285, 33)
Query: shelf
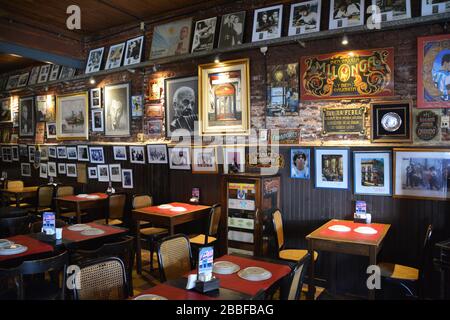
point(390, 25)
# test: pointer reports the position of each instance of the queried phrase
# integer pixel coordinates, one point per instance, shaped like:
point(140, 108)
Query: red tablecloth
point(167, 212)
point(102, 196)
point(34, 247)
point(352, 235)
point(77, 236)
point(173, 293)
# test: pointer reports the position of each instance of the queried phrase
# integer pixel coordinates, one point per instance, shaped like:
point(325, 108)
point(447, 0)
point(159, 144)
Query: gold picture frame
point(226, 83)
point(77, 117)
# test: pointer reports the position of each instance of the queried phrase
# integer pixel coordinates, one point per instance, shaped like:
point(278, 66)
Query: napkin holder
point(207, 286)
point(42, 236)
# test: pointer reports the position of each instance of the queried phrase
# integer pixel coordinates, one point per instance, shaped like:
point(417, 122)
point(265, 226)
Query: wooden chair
point(297, 280)
point(65, 213)
point(44, 200)
point(36, 227)
point(16, 184)
point(174, 257)
point(10, 227)
point(116, 210)
point(211, 232)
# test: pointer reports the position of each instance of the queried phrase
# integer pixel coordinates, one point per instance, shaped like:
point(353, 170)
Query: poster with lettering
point(337, 120)
point(350, 74)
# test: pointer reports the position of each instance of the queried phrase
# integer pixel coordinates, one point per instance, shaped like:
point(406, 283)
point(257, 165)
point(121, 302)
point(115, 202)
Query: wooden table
point(20, 193)
point(165, 218)
point(350, 242)
point(36, 249)
point(79, 204)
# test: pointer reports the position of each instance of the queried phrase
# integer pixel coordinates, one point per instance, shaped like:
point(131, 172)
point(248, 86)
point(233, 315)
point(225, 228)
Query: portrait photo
point(372, 172)
point(301, 163)
point(72, 117)
point(430, 7)
point(34, 75)
point(97, 120)
point(346, 13)
point(204, 33)
point(26, 117)
point(267, 23)
point(390, 10)
point(94, 61)
point(51, 168)
point(61, 168)
point(61, 152)
point(180, 158)
point(332, 168)
point(127, 178)
point(43, 171)
point(117, 110)
point(92, 173)
point(120, 153)
point(204, 160)
point(232, 29)
point(96, 154)
point(103, 173)
point(233, 160)
point(52, 153)
point(305, 17)
point(115, 173)
point(96, 98)
point(171, 39)
point(157, 153)
point(44, 73)
point(51, 130)
point(83, 153)
point(5, 110)
point(115, 55)
point(67, 73)
point(137, 154)
point(133, 51)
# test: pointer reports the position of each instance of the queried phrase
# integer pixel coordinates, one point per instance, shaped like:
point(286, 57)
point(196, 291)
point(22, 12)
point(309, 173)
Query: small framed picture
point(12, 82)
point(115, 55)
point(43, 171)
point(305, 17)
point(51, 130)
point(430, 7)
point(97, 155)
point(137, 154)
point(97, 120)
point(62, 152)
point(301, 163)
point(103, 173)
point(25, 169)
point(95, 96)
point(115, 173)
point(54, 73)
point(31, 153)
point(137, 108)
point(44, 153)
point(372, 173)
point(61, 168)
point(52, 152)
point(391, 121)
point(157, 153)
point(133, 51)
point(347, 13)
point(23, 79)
point(390, 10)
point(127, 178)
point(66, 73)
point(92, 173)
point(83, 153)
point(233, 160)
point(6, 154)
point(204, 160)
point(231, 29)
point(332, 168)
point(180, 158)
point(34, 75)
point(204, 33)
point(120, 153)
point(94, 61)
point(44, 73)
point(71, 170)
point(267, 23)
point(52, 169)
point(72, 153)
point(15, 153)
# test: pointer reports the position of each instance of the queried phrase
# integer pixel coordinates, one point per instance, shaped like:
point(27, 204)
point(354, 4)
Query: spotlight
point(217, 59)
point(155, 68)
point(345, 41)
point(92, 80)
point(263, 50)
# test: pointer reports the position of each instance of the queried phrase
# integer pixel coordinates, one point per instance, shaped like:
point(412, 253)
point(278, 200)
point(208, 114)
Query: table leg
point(171, 228)
point(311, 287)
point(17, 201)
point(333, 275)
point(138, 247)
point(372, 262)
point(78, 213)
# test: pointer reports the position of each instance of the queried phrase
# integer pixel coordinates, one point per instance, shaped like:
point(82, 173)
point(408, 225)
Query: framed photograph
point(372, 173)
point(115, 55)
point(97, 120)
point(430, 7)
point(346, 13)
point(54, 74)
point(94, 61)
point(97, 155)
point(52, 169)
point(267, 23)
point(12, 82)
point(282, 90)
point(61, 152)
point(301, 163)
point(39, 136)
point(117, 110)
point(332, 168)
point(43, 171)
point(44, 73)
point(25, 169)
point(92, 173)
point(15, 117)
point(421, 173)
point(15, 153)
point(224, 98)
point(5, 110)
point(232, 29)
point(181, 105)
point(67, 73)
point(45, 108)
point(61, 168)
point(204, 34)
point(137, 108)
point(391, 121)
point(127, 178)
point(71, 170)
point(44, 152)
point(433, 71)
point(52, 152)
point(157, 153)
point(171, 39)
point(26, 117)
point(154, 128)
point(233, 160)
point(391, 10)
point(96, 98)
point(180, 158)
point(133, 51)
point(51, 130)
point(155, 89)
point(23, 79)
point(204, 160)
point(115, 174)
point(34, 75)
point(103, 173)
point(305, 17)
point(72, 153)
point(83, 153)
point(154, 110)
point(137, 154)
point(72, 117)
point(6, 154)
point(120, 153)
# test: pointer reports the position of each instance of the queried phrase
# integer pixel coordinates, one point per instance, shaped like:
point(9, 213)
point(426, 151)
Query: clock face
point(391, 122)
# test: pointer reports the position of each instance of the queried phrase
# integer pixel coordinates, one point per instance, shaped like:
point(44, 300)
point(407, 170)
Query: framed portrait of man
point(117, 110)
point(72, 121)
point(171, 39)
point(301, 163)
point(232, 29)
point(26, 117)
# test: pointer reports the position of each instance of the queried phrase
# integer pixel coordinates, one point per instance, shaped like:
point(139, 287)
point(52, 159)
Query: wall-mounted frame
point(117, 110)
point(127, 178)
point(372, 172)
point(26, 117)
point(115, 54)
point(5, 110)
point(157, 153)
point(390, 10)
point(204, 34)
point(115, 174)
point(171, 39)
point(305, 17)
point(72, 153)
point(52, 169)
point(332, 168)
point(94, 61)
point(345, 14)
point(61, 168)
point(103, 173)
point(301, 163)
point(97, 120)
point(180, 158)
point(120, 153)
point(233, 160)
point(61, 152)
point(133, 51)
point(137, 154)
point(232, 29)
point(204, 160)
point(267, 23)
point(83, 153)
point(71, 170)
point(96, 155)
point(434, 7)
point(51, 130)
point(25, 169)
point(95, 96)
point(72, 121)
point(391, 121)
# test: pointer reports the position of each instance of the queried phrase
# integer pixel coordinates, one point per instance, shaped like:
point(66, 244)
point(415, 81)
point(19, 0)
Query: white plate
point(78, 227)
point(366, 230)
point(92, 232)
point(150, 297)
point(339, 228)
point(15, 248)
point(225, 267)
point(5, 243)
point(94, 196)
point(165, 206)
point(255, 274)
point(82, 195)
point(178, 209)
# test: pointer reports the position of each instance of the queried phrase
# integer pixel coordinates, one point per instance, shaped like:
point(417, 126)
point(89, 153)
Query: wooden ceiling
point(9, 62)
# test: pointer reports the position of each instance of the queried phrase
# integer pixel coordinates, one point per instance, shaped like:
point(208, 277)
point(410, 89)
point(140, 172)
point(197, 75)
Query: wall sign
point(427, 125)
point(285, 136)
point(363, 73)
point(343, 121)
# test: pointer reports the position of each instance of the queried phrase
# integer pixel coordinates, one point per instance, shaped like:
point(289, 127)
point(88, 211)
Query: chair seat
point(295, 254)
point(114, 222)
point(200, 239)
point(153, 231)
point(69, 215)
point(40, 210)
point(22, 205)
point(398, 271)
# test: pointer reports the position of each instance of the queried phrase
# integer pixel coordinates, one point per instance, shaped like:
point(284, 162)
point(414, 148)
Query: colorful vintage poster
point(171, 39)
point(282, 90)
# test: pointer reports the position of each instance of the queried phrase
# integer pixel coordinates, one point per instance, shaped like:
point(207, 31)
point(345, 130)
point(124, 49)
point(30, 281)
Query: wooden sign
point(356, 74)
point(427, 125)
point(285, 136)
point(343, 120)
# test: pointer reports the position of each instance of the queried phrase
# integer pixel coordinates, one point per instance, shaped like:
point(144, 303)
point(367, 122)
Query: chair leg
point(152, 250)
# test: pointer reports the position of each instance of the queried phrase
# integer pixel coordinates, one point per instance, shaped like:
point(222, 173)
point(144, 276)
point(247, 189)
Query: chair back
point(141, 201)
point(297, 279)
point(277, 221)
point(13, 226)
point(62, 191)
point(425, 258)
point(45, 196)
point(37, 226)
point(102, 279)
point(213, 222)
point(14, 184)
point(116, 207)
point(174, 257)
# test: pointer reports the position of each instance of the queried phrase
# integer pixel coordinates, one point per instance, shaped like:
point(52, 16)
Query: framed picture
point(26, 117)
point(267, 23)
point(34, 75)
point(12, 82)
point(72, 153)
point(61, 152)
point(66, 73)
point(305, 17)
point(23, 79)
point(391, 121)
point(154, 110)
point(224, 98)
point(157, 153)
point(92, 173)
point(72, 117)
point(433, 71)
point(155, 89)
point(180, 158)
point(5, 110)
point(15, 153)
point(55, 72)
point(15, 119)
point(94, 61)
point(137, 108)
point(154, 128)
point(137, 154)
point(115, 55)
point(391, 10)
point(115, 174)
point(96, 98)
point(120, 153)
point(52, 169)
point(233, 160)
point(171, 39)
point(332, 168)
point(232, 29)
point(181, 105)
point(25, 169)
point(61, 168)
point(117, 110)
point(45, 108)
point(133, 51)
point(51, 130)
point(44, 152)
point(204, 33)
point(39, 136)
point(430, 7)
point(44, 73)
point(97, 155)
point(421, 173)
point(6, 154)
point(103, 173)
point(83, 153)
point(282, 90)
point(43, 171)
point(52, 152)
point(301, 163)
point(97, 120)
point(347, 13)
point(71, 170)
point(372, 173)
point(204, 160)
point(127, 178)
point(5, 135)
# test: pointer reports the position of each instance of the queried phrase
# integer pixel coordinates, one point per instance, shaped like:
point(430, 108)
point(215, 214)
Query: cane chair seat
point(295, 254)
point(200, 239)
point(153, 231)
point(398, 271)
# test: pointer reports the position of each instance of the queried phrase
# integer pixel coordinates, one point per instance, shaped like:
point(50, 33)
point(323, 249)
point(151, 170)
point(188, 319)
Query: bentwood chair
point(297, 279)
point(44, 200)
point(13, 226)
point(174, 257)
point(116, 210)
point(65, 213)
point(16, 184)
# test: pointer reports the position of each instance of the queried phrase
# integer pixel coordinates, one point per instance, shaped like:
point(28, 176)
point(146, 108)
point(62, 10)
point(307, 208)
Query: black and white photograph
point(71, 170)
point(372, 172)
point(6, 154)
point(96, 98)
point(133, 51)
point(96, 155)
point(52, 153)
point(389, 10)
point(305, 17)
point(267, 23)
point(103, 173)
point(137, 154)
point(97, 120)
point(12, 82)
point(44, 73)
point(115, 174)
point(83, 153)
point(25, 169)
point(26, 117)
point(120, 153)
point(430, 7)
point(43, 171)
point(67, 73)
point(232, 29)
point(72, 119)
point(233, 160)
point(15, 153)
point(115, 55)
point(72, 153)
point(204, 33)
point(34, 75)
point(127, 178)
point(61, 168)
point(23, 150)
point(23, 79)
point(332, 168)
point(157, 153)
point(44, 152)
point(181, 105)
point(54, 73)
point(204, 160)
point(94, 61)
point(92, 173)
point(5, 110)
point(61, 152)
point(51, 167)
point(51, 130)
point(117, 110)
point(346, 13)
point(180, 158)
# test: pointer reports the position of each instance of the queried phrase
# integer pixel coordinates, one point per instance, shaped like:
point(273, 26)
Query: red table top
point(34, 247)
point(173, 293)
point(167, 212)
point(77, 236)
point(102, 196)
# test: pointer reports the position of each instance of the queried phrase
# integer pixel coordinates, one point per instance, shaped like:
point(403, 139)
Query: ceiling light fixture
point(92, 80)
